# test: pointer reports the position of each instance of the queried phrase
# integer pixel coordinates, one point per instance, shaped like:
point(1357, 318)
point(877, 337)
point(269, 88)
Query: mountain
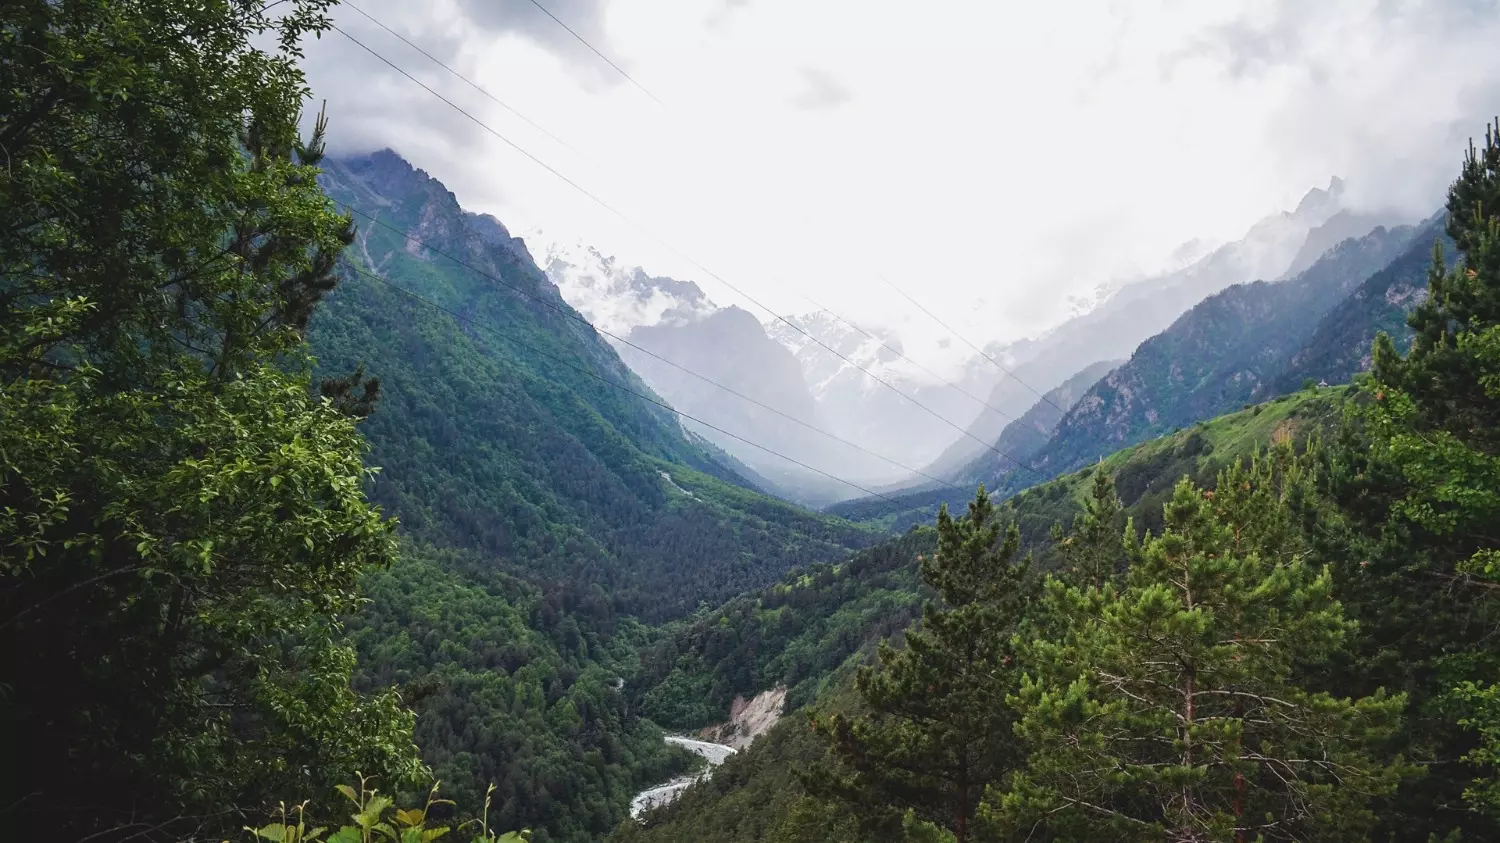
point(1231, 349)
point(1143, 308)
point(513, 430)
point(860, 409)
point(1225, 352)
point(615, 297)
point(1340, 345)
point(547, 508)
point(661, 326)
point(1023, 438)
point(759, 369)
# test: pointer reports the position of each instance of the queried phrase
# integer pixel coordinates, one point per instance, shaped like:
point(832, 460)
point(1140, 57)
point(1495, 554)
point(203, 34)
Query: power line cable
point(977, 349)
point(439, 62)
point(830, 312)
point(573, 315)
point(641, 228)
point(595, 375)
point(596, 52)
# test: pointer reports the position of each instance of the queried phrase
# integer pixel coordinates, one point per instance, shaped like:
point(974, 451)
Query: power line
point(596, 52)
point(570, 314)
point(830, 312)
point(977, 349)
point(439, 62)
point(595, 375)
point(641, 228)
point(815, 304)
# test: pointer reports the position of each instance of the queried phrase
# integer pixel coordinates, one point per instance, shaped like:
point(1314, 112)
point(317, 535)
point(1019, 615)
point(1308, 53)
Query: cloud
point(1015, 155)
point(372, 105)
point(821, 91)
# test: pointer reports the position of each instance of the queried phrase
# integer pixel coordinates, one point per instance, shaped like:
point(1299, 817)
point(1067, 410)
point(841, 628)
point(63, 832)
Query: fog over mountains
point(802, 380)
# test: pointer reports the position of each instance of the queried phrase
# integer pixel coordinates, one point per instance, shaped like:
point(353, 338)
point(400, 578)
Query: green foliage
point(514, 685)
point(1418, 477)
point(153, 168)
point(376, 818)
point(933, 729)
point(794, 633)
point(181, 522)
point(1168, 710)
point(1093, 553)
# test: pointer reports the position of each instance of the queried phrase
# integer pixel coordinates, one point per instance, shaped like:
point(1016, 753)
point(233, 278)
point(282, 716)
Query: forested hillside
point(801, 630)
point(516, 686)
point(499, 431)
point(550, 511)
point(1147, 306)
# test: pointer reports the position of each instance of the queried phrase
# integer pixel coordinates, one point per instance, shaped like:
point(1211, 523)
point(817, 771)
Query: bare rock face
point(748, 719)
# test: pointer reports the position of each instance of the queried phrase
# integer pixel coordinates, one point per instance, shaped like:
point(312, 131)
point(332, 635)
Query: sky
point(996, 160)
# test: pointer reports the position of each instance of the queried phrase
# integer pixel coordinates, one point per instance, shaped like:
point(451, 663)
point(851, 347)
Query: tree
point(934, 728)
point(1166, 711)
point(1094, 552)
point(1417, 477)
point(182, 522)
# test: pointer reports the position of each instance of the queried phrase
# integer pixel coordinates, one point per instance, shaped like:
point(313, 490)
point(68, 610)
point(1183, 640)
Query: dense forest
point(324, 517)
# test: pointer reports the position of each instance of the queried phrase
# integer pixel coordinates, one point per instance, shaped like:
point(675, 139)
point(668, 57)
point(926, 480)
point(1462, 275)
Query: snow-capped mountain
point(682, 344)
point(615, 297)
point(913, 429)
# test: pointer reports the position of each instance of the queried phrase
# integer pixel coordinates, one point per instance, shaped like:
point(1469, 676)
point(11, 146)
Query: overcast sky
point(991, 158)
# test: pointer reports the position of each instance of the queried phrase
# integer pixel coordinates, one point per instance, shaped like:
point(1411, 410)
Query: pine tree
point(1093, 552)
point(1418, 479)
point(934, 729)
point(1166, 710)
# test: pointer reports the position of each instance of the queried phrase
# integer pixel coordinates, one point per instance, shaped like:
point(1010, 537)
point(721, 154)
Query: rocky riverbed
point(665, 794)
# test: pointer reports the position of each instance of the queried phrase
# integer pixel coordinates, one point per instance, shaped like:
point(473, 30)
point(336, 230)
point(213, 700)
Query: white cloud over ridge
point(993, 159)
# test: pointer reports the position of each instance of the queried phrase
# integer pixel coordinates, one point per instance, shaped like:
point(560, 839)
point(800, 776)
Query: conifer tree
point(1166, 711)
point(934, 729)
point(1093, 552)
point(1418, 479)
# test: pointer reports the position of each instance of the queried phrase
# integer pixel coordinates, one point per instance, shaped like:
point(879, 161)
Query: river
point(665, 794)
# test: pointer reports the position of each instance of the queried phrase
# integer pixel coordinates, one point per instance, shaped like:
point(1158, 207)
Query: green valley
point(326, 516)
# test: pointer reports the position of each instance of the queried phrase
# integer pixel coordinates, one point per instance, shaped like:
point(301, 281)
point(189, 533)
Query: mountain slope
point(1229, 350)
point(485, 443)
point(1223, 353)
point(675, 320)
point(1340, 345)
point(747, 361)
point(1139, 310)
point(1023, 438)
